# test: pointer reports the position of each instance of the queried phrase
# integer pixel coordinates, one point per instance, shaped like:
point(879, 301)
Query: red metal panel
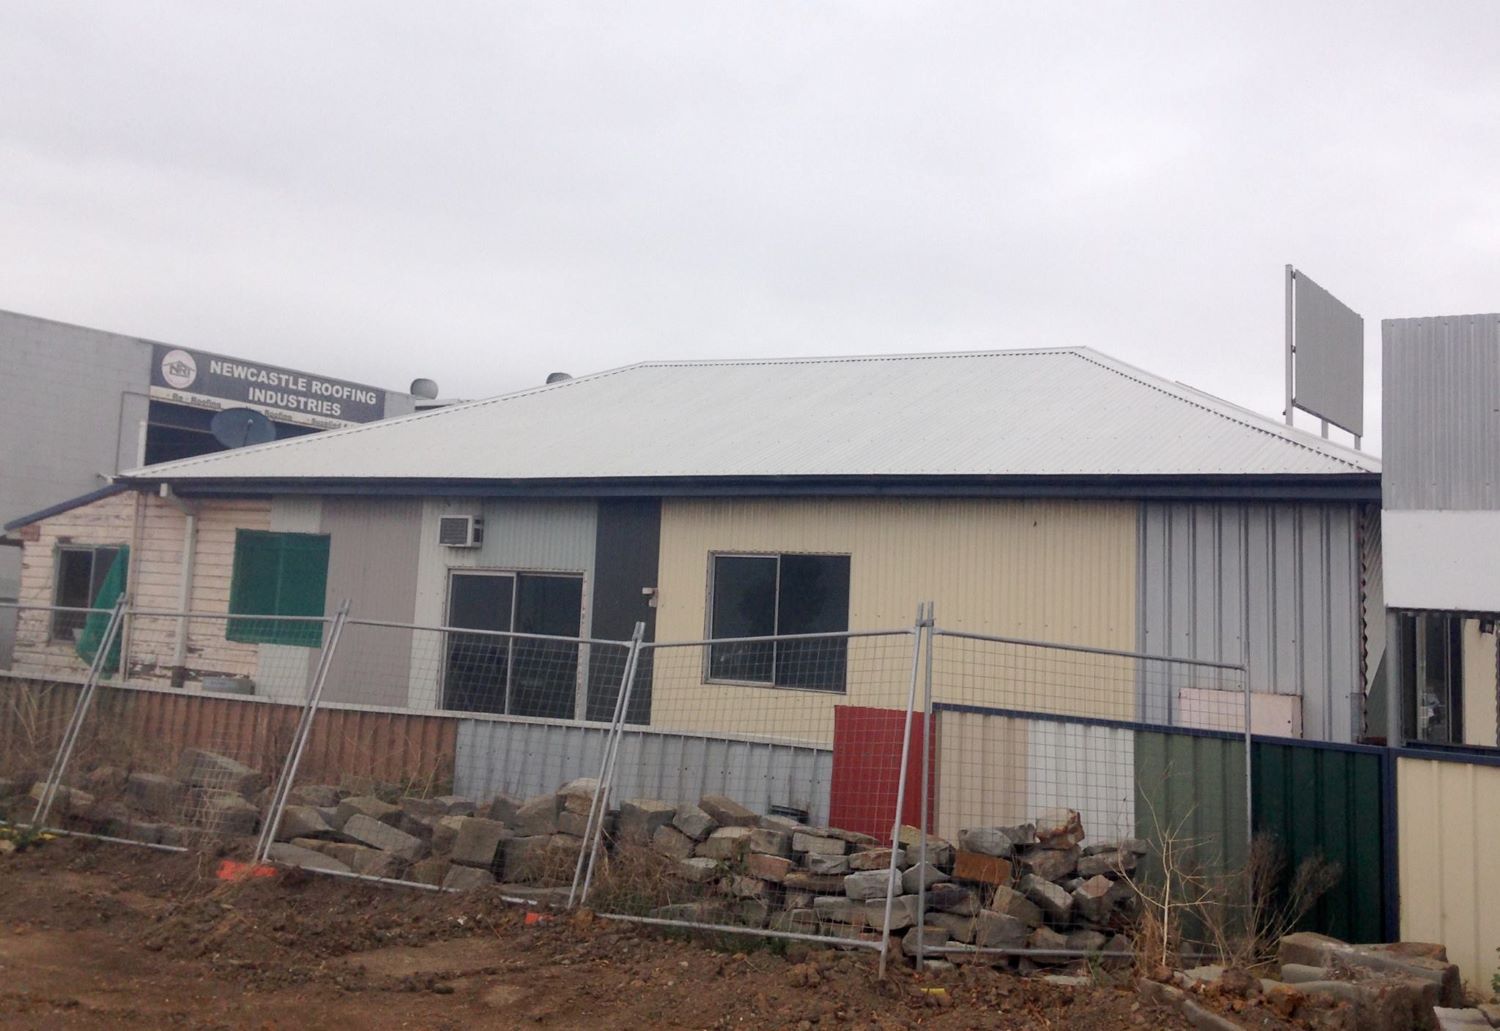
point(867, 770)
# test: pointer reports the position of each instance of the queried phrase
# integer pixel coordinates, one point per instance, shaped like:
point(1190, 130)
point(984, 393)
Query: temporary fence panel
point(1450, 857)
point(1054, 787)
point(35, 710)
point(762, 859)
point(1324, 804)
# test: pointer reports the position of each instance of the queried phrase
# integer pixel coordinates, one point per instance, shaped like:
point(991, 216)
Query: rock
point(1050, 864)
point(780, 823)
point(728, 843)
point(1114, 864)
point(1013, 903)
point(1380, 1003)
point(672, 843)
point(538, 816)
point(838, 908)
point(322, 795)
point(726, 812)
point(873, 859)
point(823, 864)
point(504, 808)
point(855, 839)
point(1450, 1019)
point(803, 841)
point(302, 821)
point(772, 843)
point(429, 871)
point(693, 821)
point(200, 769)
point(577, 796)
point(753, 912)
point(478, 841)
point(918, 877)
point(974, 866)
point(948, 897)
point(293, 855)
point(1091, 899)
point(698, 870)
point(445, 833)
point(1045, 939)
point(797, 900)
point(523, 858)
point(960, 928)
point(1307, 948)
point(816, 883)
point(374, 862)
point(1059, 829)
point(767, 867)
point(467, 878)
point(154, 794)
point(1204, 1019)
point(903, 912)
point(66, 799)
point(576, 824)
point(1055, 903)
point(366, 805)
point(939, 851)
point(929, 938)
point(795, 921)
point(1093, 941)
point(999, 930)
point(1491, 1010)
point(225, 812)
point(1298, 973)
point(867, 884)
point(641, 817)
point(368, 831)
point(742, 886)
point(985, 841)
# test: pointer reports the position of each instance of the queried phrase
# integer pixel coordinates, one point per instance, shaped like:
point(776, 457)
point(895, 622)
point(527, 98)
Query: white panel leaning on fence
point(765, 785)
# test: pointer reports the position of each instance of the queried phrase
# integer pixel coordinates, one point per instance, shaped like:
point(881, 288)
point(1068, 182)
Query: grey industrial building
point(79, 405)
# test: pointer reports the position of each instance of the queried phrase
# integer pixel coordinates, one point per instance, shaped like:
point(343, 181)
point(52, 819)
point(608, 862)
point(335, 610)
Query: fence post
point(594, 827)
point(926, 791)
point(80, 713)
point(924, 618)
point(288, 775)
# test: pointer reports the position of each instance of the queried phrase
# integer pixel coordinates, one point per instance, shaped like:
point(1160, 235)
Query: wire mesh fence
point(762, 793)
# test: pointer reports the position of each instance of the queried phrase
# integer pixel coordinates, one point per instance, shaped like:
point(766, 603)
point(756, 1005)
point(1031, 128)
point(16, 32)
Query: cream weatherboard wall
point(1060, 571)
point(1481, 686)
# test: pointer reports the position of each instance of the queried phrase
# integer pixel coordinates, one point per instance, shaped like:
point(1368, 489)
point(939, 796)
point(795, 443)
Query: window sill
point(841, 691)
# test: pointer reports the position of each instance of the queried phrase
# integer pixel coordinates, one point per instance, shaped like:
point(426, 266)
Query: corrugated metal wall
point(1299, 612)
point(1192, 786)
point(1325, 802)
point(1449, 852)
point(531, 758)
point(1053, 570)
point(1441, 425)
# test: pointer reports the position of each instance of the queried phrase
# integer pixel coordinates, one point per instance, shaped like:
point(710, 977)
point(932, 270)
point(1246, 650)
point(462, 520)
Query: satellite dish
point(241, 427)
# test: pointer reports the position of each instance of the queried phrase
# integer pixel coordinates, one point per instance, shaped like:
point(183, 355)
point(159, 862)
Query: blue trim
point(1487, 757)
point(64, 506)
point(1390, 853)
point(1087, 721)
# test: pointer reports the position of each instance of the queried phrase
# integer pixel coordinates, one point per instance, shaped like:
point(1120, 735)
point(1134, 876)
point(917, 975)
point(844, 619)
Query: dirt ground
point(95, 935)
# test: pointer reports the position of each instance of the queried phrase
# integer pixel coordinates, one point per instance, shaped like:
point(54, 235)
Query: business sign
point(1328, 345)
point(213, 381)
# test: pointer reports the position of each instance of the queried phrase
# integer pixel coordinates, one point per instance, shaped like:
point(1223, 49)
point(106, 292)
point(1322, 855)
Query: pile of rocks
point(1033, 886)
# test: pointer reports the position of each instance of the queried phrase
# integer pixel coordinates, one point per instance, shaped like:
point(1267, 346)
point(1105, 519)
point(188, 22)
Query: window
point(1432, 656)
point(516, 676)
point(81, 572)
point(278, 574)
point(776, 595)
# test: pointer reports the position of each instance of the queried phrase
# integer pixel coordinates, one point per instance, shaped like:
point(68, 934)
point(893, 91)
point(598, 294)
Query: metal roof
point(1033, 413)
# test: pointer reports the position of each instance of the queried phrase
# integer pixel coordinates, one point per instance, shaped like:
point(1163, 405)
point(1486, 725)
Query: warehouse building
point(1056, 495)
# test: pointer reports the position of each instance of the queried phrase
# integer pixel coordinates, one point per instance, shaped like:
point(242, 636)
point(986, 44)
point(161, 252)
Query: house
point(1054, 495)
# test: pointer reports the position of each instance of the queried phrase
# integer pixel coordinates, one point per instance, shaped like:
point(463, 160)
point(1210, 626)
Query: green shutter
point(97, 622)
point(278, 574)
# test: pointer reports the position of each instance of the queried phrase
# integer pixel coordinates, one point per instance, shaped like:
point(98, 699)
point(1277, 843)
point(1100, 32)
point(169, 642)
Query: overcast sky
point(482, 193)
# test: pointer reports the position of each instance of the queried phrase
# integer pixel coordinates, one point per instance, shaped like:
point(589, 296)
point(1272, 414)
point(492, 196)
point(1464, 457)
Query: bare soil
point(96, 936)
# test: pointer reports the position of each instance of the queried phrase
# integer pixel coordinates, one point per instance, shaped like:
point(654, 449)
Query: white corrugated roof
point(1070, 412)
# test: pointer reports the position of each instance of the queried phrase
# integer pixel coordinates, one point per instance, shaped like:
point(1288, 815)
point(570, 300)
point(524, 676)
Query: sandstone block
point(302, 821)
point(816, 883)
point(1054, 902)
point(699, 870)
point(867, 884)
point(768, 867)
point(1013, 903)
point(504, 808)
point(726, 812)
point(537, 816)
point(803, 841)
point(918, 877)
point(477, 841)
point(467, 878)
point(986, 841)
point(154, 793)
point(371, 832)
point(225, 812)
point(672, 843)
point(972, 866)
point(872, 859)
point(771, 842)
point(202, 769)
point(952, 898)
point(728, 843)
point(1059, 828)
point(693, 821)
point(321, 795)
point(1050, 864)
point(366, 805)
point(374, 862)
point(429, 871)
point(928, 938)
point(293, 855)
point(822, 864)
point(998, 930)
point(641, 817)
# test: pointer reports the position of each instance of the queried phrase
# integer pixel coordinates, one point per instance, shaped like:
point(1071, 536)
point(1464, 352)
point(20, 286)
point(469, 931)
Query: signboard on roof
point(205, 380)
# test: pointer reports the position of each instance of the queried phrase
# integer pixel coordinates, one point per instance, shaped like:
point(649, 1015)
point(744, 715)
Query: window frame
point(777, 556)
point(259, 628)
point(68, 634)
point(510, 633)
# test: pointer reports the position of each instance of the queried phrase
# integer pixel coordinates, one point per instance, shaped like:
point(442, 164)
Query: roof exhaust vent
point(558, 377)
point(426, 389)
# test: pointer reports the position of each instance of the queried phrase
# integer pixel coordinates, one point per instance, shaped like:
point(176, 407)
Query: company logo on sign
point(179, 369)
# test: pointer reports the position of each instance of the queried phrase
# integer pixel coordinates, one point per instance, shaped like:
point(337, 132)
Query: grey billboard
point(1330, 356)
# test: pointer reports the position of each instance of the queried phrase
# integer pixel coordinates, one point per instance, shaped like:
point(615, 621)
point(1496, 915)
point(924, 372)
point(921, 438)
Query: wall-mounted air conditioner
point(460, 531)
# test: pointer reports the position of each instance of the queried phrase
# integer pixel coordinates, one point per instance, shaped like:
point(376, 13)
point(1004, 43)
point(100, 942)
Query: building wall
point(1290, 605)
point(1480, 718)
point(1058, 571)
point(1449, 859)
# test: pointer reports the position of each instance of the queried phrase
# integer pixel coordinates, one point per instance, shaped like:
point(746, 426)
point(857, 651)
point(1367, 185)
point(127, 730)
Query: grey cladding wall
point(1442, 412)
point(1296, 601)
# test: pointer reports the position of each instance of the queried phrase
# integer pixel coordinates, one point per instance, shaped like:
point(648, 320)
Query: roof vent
point(426, 389)
point(460, 531)
point(558, 377)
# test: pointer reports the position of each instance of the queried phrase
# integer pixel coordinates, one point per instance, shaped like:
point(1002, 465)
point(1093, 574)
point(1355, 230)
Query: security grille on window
point(81, 572)
point(278, 574)
point(516, 676)
point(775, 595)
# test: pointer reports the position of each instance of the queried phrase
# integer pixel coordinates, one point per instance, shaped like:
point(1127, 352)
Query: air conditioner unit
point(460, 531)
